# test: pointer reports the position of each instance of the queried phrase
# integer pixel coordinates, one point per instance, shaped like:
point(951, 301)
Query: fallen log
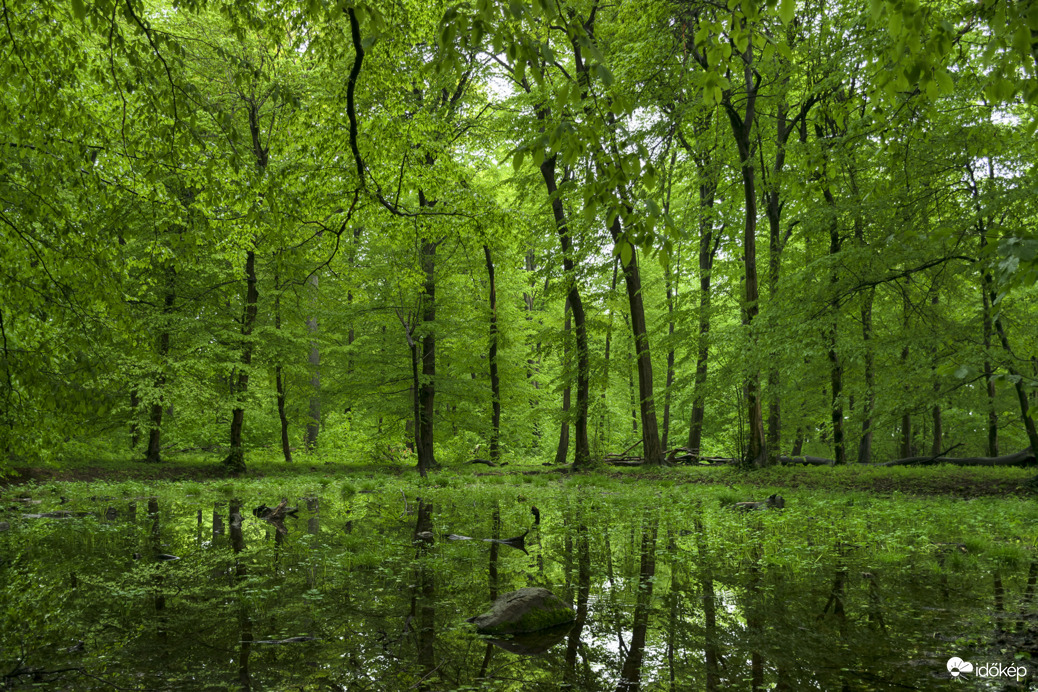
point(626, 461)
point(806, 461)
point(773, 502)
point(1022, 458)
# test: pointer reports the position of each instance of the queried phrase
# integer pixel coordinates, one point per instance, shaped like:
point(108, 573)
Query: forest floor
point(952, 481)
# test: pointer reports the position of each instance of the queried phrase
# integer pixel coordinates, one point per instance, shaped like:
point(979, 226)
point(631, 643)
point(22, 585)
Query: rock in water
point(526, 610)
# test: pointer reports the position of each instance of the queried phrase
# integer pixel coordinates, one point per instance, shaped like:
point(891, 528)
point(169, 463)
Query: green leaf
point(626, 252)
point(79, 9)
point(604, 74)
point(664, 258)
point(787, 9)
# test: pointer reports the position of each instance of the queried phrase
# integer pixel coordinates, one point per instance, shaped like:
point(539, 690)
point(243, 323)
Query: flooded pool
point(372, 591)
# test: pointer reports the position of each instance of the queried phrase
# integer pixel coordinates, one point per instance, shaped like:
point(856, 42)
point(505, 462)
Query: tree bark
point(135, 428)
point(671, 280)
point(708, 246)
point(495, 380)
point(865, 446)
point(427, 385)
point(563, 448)
point(603, 425)
point(582, 451)
point(286, 448)
point(742, 125)
point(154, 453)
point(652, 451)
point(236, 459)
point(313, 424)
point(835, 362)
point(1018, 383)
point(1023, 458)
point(670, 359)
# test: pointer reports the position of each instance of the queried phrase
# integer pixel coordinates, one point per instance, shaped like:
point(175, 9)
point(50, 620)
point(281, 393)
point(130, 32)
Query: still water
point(372, 590)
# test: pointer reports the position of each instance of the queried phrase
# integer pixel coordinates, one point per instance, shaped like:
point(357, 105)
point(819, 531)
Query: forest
point(425, 302)
point(552, 231)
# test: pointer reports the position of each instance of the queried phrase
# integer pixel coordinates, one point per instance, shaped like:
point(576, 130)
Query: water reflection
point(365, 592)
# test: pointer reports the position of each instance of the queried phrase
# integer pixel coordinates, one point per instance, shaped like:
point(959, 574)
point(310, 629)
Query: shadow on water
point(366, 592)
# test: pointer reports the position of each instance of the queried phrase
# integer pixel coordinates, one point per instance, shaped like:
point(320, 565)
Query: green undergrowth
point(916, 480)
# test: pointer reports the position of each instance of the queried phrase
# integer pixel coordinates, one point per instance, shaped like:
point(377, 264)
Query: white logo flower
point(957, 666)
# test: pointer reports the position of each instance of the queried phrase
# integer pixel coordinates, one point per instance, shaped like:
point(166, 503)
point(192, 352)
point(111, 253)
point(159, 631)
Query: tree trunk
point(427, 385)
point(865, 446)
point(416, 402)
point(670, 359)
point(154, 454)
point(987, 289)
point(495, 380)
point(742, 126)
point(313, 424)
point(604, 418)
point(1018, 383)
point(835, 362)
point(279, 381)
point(707, 251)
point(652, 451)
point(135, 428)
point(236, 459)
point(563, 448)
point(906, 417)
point(773, 210)
point(582, 452)
point(1022, 458)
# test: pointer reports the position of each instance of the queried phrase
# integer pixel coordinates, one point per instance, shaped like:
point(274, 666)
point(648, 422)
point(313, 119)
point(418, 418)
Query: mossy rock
point(527, 610)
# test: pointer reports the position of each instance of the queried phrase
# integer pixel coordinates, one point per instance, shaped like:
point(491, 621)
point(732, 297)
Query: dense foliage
point(449, 231)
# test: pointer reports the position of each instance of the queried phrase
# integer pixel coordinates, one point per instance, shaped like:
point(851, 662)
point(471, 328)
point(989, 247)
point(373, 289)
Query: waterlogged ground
point(362, 590)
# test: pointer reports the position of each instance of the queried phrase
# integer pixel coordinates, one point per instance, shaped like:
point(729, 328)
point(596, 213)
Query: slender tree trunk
point(865, 446)
point(672, 279)
point(742, 126)
point(938, 427)
point(495, 380)
point(427, 385)
point(987, 289)
point(835, 362)
point(798, 442)
point(906, 417)
point(154, 454)
point(773, 210)
point(236, 459)
point(313, 424)
point(279, 381)
point(416, 402)
point(563, 448)
point(670, 359)
point(135, 428)
point(707, 251)
point(652, 451)
point(604, 418)
point(1021, 393)
point(582, 452)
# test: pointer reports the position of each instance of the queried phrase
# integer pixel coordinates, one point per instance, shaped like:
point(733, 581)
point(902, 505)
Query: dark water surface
point(365, 591)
